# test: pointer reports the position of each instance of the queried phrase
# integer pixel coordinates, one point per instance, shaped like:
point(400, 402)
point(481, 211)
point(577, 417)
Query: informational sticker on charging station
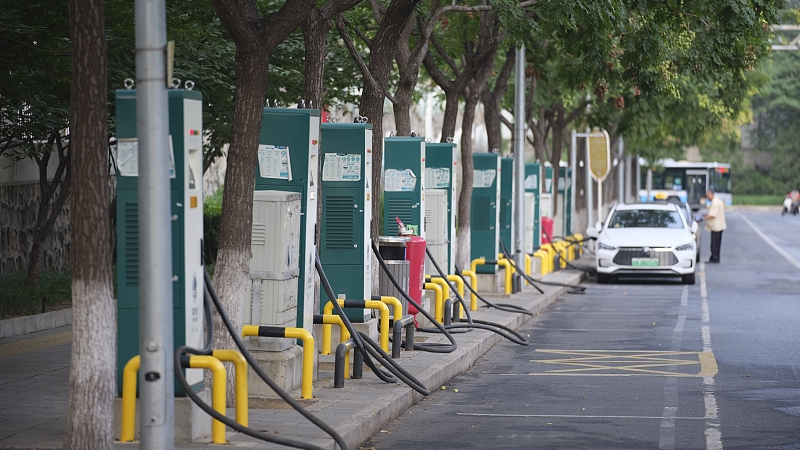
point(483, 178)
point(128, 157)
point(437, 177)
point(399, 180)
point(341, 167)
point(532, 181)
point(274, 162)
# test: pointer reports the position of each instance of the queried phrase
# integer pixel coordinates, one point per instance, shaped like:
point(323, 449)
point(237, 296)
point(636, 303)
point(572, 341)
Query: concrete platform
point(33, 387)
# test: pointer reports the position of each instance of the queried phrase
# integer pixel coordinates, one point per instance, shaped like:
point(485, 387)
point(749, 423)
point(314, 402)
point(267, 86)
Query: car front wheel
point(688, 279)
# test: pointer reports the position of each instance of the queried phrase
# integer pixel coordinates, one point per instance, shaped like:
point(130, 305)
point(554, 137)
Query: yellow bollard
point(542, 255)
point(528, 264)
point(439, 299)
point(369, 304)
point(473, 283)
point(396, 305)
point(218, 395)
point(509, 270)
point(473, 266)
point(443, 284)
point(327, 321)
point(306, 387)
point(240, 375)
point(129, 400)
point(306, 382)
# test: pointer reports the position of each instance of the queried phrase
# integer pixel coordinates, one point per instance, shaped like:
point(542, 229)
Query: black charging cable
point(373, 350)
point(574, 288)
point(210, 296)
point(502, 330)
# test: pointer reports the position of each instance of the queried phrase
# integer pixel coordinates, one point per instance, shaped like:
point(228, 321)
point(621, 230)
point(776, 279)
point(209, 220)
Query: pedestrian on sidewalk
point(715, 223)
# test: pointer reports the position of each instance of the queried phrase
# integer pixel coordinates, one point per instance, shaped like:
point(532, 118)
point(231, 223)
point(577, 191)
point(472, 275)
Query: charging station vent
point(482, 213)
point(132, 244)
point(397, 207)
point(340, 222)
point(437, 225)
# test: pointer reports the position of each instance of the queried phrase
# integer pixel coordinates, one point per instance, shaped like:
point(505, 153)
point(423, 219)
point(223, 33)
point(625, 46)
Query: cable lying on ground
point(210, 296)
point(502, 330)
point(372, 350)
point(574, 289)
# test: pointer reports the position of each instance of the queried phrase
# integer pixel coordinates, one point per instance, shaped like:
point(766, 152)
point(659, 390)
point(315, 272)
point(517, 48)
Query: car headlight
point(603, 246)
point(684, 247)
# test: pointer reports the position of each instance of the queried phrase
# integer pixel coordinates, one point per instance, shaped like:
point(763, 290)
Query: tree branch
point(362, 66)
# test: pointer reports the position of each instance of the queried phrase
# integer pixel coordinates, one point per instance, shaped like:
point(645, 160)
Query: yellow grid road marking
point(627, 363)
point(33, 344)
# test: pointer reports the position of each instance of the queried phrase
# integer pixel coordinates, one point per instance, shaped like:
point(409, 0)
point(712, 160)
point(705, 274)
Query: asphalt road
point(642, 364)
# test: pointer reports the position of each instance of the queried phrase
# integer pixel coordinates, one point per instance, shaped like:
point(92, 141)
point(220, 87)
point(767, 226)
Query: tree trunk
point(491, 100)
point(49, 208)
point(373, 94)
point(463, 255)
point(232, 272)
point(256, 38)
point(92, 378)
point(315, 28)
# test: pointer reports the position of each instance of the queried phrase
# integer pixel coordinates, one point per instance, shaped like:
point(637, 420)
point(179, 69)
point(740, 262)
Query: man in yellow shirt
point(715, 223)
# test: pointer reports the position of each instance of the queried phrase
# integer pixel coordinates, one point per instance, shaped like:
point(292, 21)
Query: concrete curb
point(38, 322)
point(361, 426)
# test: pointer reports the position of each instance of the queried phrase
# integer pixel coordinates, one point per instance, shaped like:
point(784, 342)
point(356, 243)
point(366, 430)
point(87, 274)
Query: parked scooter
point(791, 204)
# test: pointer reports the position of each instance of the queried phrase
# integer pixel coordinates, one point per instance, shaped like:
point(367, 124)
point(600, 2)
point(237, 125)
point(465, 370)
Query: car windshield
point(646, 218)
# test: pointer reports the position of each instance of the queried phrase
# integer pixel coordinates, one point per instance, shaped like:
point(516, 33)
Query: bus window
point(720, 179)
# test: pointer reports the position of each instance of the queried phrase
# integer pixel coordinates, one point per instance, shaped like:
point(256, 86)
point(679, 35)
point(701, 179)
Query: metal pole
point(156, 373)
point(589, 186)
point(519, 158)
point(621, 173)
point(573, 153)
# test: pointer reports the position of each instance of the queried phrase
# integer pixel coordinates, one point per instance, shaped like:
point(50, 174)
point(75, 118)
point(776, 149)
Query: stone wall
point(18, 206)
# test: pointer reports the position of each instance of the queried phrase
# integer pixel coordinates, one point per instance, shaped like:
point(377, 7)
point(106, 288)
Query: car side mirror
point(598, 226)
point(592, 232)
point(694, 227)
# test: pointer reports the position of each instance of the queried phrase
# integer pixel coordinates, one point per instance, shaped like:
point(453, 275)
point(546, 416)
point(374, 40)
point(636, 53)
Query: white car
point(645, 239)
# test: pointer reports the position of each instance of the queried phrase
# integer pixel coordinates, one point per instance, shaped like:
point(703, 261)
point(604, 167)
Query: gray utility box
point(274, 267)
point(437, 229)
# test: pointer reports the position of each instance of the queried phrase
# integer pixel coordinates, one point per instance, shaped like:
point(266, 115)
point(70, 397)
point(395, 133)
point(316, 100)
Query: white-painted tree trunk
point(92, 387)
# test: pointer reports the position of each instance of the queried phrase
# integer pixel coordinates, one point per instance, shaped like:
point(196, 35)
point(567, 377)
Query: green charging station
point(485, 213)
point(507, 202)
point(186, 200)
point(533, 176)
point(403, 184)
point(345, 253)
point(565, 200)
point(288, 161)
point(440, 173)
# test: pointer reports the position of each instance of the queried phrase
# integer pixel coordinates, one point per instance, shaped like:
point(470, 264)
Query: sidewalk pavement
point(34, 373)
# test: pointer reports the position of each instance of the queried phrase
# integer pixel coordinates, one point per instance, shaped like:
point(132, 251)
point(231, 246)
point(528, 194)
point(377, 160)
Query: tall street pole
point(519, 158)
point(156, 346)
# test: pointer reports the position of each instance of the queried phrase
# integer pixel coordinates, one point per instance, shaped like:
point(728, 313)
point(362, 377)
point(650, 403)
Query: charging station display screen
point(274, 162)
point(341, 167)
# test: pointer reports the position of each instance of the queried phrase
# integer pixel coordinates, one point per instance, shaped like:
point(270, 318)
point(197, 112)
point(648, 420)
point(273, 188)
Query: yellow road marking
point(595, 362)
point(33, 344)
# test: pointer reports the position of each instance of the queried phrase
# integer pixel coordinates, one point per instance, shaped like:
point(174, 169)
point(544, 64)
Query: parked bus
point(688, 181)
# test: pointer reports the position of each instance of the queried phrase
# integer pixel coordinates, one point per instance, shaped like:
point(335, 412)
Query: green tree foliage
point(776, 113)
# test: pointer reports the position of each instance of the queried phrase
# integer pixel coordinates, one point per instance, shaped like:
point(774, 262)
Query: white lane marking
point(713, 433)
point(574, 416)
point(763, 236)
point(666, 438)
point(667, 431)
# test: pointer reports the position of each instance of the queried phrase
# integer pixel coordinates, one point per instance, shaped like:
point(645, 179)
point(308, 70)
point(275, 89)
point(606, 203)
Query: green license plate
point(644, 262)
